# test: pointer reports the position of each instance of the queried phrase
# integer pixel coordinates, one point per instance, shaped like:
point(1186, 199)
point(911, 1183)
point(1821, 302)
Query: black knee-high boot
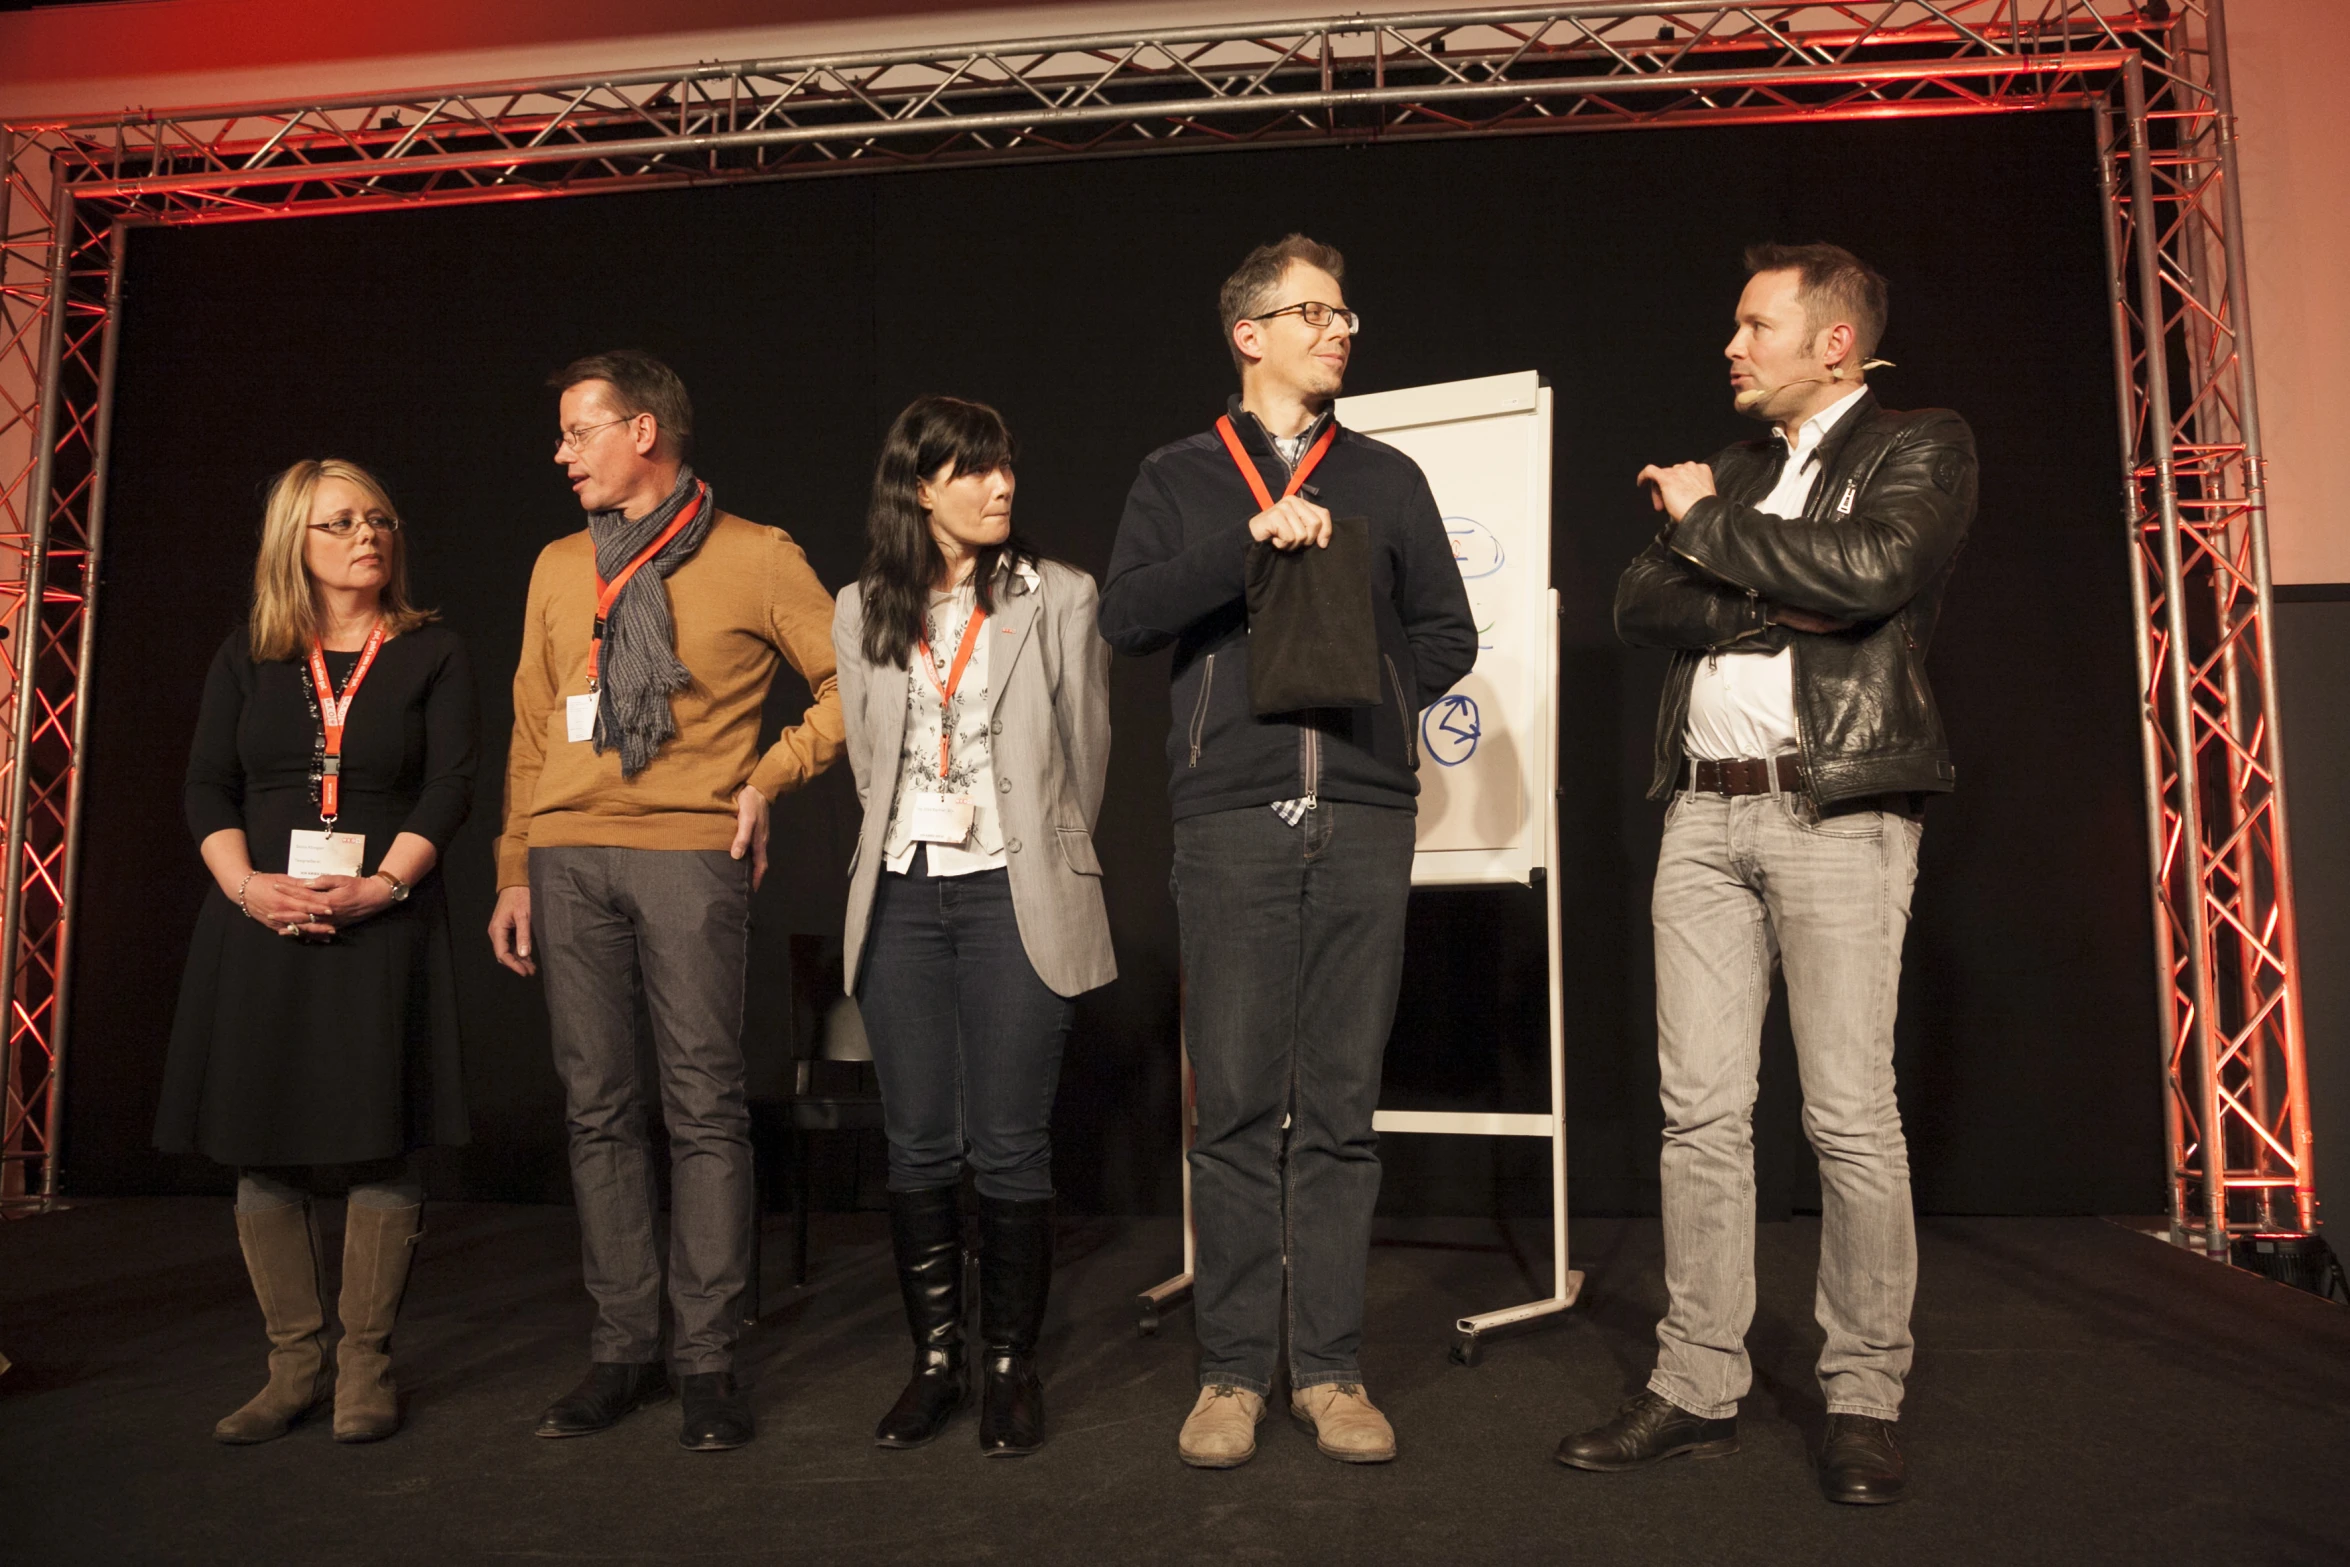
point(926, 1233)
point(1015, 1274)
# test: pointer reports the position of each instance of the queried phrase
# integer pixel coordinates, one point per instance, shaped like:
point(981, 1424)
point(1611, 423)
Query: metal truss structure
point(2155, 71)
point(2237, 1138)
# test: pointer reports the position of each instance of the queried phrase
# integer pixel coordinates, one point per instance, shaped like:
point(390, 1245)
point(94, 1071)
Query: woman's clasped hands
point(317, 908)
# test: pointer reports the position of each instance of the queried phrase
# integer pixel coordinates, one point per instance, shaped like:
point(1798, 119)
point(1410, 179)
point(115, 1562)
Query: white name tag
point(313, 854)
point(939, 818)
point(579, 716)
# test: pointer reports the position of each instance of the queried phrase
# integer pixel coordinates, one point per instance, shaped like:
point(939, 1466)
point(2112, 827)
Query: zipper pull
point(1851, 490)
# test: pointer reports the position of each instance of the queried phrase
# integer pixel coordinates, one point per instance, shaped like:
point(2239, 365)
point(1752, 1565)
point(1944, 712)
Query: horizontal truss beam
point(1490, 71)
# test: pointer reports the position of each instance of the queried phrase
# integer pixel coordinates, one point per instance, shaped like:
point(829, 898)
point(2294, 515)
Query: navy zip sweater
point(1178, 576)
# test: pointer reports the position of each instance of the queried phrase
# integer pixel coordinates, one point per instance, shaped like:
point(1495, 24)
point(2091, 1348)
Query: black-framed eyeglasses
point(344, 526)
point(1317, 315)
point(576, 438)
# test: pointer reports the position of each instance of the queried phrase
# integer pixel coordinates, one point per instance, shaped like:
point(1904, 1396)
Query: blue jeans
point(966, 1039)
point(1742, 885)
point(1292, 955)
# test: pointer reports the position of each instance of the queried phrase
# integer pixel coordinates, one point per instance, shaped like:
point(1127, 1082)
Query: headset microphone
point(1755, 396)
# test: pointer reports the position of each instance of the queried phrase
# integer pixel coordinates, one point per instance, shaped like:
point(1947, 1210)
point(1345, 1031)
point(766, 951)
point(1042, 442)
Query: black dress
point(342, 1051)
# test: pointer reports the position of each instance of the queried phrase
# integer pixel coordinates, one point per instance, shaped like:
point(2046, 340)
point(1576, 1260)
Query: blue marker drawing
point(1449, 730)
point(1475, 548)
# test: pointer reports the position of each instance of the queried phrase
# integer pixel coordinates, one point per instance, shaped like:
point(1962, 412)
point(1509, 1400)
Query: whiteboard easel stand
point(1470, 1334)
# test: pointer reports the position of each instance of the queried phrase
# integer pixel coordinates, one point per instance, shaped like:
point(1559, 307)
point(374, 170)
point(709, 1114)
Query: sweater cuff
point(513, 861)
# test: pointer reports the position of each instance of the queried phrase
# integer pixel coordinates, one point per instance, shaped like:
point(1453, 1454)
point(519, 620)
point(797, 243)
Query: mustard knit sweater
point(745, 599)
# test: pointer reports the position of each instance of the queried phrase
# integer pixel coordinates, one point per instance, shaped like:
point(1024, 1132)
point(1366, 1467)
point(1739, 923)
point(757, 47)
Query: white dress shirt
point(1743, 703)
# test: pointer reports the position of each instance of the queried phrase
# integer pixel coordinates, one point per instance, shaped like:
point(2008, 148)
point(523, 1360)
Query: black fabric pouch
point(1311, 640)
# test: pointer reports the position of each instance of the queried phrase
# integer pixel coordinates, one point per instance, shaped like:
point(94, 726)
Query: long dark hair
point(902, 560)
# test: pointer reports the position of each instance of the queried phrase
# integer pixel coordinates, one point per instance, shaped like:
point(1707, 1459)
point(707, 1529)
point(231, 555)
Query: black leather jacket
point(1874, 546)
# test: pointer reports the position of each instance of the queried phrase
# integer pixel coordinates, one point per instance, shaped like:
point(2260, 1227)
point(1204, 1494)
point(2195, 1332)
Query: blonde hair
point(285, 612)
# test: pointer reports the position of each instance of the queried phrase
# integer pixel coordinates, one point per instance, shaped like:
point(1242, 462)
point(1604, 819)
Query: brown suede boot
point(377, 1246)
point(281, 1253)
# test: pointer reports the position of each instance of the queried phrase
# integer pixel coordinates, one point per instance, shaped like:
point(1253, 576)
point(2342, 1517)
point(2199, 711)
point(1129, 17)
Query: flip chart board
point(1486, 746)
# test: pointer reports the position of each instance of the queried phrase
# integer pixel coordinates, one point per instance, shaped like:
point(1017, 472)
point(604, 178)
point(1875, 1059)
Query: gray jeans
point(1742, 884)
point(671, 926)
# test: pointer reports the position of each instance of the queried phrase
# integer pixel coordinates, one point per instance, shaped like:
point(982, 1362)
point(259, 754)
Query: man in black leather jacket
point(1796, 583)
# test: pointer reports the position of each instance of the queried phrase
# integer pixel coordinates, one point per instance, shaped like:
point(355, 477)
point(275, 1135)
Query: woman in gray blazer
point(976, 694)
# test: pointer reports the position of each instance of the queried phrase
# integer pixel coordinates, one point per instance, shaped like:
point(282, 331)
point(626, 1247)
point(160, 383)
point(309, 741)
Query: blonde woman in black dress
point(315, 1046)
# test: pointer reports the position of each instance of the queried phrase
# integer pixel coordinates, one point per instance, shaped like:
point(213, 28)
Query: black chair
point(833, 1087)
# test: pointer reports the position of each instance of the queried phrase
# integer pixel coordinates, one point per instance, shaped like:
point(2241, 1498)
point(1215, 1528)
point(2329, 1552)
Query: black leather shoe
point(1646, 1431)
point(1015, 1275)
point(609, 1391)
point(717, 1416)
point(1859, 1463)
point(926, 1235)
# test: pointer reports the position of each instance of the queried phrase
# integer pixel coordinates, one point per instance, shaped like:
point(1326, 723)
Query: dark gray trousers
point(1292, 956)
point(672, 926)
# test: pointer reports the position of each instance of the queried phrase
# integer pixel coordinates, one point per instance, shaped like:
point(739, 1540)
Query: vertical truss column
point(55, 364)
point(2238, 1153)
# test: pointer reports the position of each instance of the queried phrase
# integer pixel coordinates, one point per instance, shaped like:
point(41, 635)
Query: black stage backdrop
point(1080, 299)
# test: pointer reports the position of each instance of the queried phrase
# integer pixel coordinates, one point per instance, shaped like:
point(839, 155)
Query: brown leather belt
point(1748, 775)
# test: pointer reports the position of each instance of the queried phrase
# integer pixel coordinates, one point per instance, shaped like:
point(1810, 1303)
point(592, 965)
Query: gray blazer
point(1048, 678)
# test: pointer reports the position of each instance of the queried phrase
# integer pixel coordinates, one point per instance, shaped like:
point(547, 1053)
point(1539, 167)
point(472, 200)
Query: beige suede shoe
point(1221, 1432)
point(1345, 1423)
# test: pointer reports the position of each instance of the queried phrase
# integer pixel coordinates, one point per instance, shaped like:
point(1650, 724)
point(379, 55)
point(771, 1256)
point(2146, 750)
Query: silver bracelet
point(241, 886)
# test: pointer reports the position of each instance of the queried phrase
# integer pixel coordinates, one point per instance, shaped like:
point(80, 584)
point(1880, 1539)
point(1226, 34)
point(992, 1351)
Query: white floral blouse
point(970, 763)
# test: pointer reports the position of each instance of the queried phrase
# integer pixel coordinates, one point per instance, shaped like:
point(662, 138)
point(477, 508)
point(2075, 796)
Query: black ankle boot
point(1015, 1274)
point(926, 1234)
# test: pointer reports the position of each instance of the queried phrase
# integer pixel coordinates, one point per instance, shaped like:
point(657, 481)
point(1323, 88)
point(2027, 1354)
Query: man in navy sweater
point(1293, 847)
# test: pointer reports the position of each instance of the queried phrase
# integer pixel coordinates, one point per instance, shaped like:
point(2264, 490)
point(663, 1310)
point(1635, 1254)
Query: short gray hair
point(1250, 290)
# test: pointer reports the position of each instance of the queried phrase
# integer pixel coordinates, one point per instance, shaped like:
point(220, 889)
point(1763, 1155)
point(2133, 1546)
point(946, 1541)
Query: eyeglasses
point(344, 526)
point(576, 439)
point(1317, 315)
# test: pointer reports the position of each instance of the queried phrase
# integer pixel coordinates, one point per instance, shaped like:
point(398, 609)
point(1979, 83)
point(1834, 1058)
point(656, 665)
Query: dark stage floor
point(2081, 1394)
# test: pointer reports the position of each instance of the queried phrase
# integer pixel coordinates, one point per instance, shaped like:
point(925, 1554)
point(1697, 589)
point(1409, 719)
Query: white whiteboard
point(1486, 745)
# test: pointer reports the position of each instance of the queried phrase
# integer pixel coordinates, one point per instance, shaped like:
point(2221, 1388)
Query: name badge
point(579, 716)
point(314, 854)
point(939, 818)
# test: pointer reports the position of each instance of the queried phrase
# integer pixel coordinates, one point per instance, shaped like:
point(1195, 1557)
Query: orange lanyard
point(608, 593)
point(1256, 480)
point(946, 688)
point(333, 712)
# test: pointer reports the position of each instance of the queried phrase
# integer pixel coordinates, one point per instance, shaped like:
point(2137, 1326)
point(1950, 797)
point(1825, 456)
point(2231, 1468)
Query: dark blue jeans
point(1292, 955)
point(966, 1039)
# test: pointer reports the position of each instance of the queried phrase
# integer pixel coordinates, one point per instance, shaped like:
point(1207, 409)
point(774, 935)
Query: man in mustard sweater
point(635, 833)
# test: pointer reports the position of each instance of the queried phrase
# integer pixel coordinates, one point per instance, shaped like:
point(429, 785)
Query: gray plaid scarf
point(639, 669)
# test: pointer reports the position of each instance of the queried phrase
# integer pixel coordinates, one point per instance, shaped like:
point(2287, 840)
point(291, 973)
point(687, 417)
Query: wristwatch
point(399, 887)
